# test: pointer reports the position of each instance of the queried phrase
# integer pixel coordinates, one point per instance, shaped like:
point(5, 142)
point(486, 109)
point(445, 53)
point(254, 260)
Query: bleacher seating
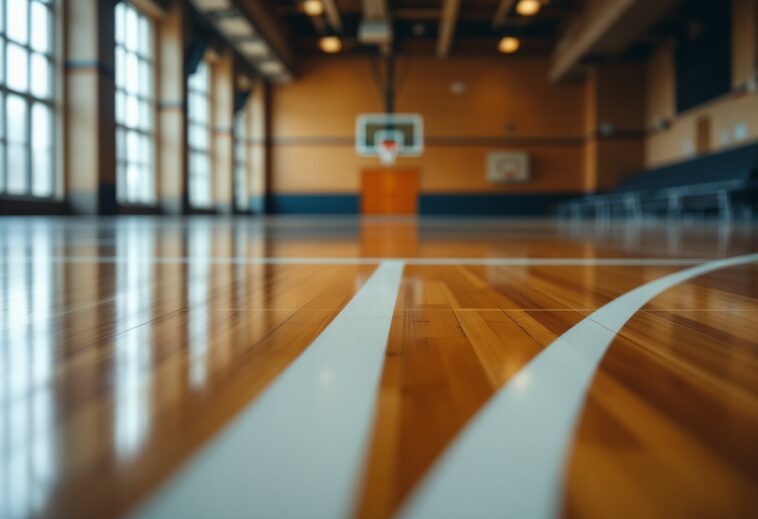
point(709, 183)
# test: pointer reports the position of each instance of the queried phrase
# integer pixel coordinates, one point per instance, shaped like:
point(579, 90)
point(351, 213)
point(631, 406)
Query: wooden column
point(90, 92)
point(222, 92)
point(268, 147)
point(614, 123)
point(172, 37)
point(257, 150)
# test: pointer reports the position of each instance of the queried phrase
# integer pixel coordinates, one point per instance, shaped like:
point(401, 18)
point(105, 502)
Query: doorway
point(389, 191)
point(703, 135)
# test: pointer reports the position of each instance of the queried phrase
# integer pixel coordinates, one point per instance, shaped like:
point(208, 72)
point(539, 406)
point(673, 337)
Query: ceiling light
point(508, 45)
point(330, 44)
point(313, 7)
point(528, 7)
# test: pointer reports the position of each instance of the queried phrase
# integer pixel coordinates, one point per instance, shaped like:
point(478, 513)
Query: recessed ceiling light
point(313, 7)
point(330, 44)
point(509, 45)
point(528, 7)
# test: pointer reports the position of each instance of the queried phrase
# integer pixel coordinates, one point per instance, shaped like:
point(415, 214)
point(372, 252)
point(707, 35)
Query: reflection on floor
point(126, 344)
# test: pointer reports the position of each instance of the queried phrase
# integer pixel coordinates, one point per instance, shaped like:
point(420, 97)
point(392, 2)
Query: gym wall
point(732, 119)
point(507, 104)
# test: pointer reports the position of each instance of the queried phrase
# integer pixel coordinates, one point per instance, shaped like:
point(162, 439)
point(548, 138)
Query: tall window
point(135, 112)
point(240, 161)
point(199, 138)
point(26, 98)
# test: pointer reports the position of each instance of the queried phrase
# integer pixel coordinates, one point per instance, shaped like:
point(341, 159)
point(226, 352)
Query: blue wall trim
point(490, 204)
point(429, 204)
point(327, 203)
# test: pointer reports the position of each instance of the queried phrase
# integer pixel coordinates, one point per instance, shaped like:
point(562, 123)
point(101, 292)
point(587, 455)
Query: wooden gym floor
point(374, 368)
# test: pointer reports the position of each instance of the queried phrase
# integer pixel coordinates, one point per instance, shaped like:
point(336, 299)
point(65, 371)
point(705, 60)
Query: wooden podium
point(389, 190)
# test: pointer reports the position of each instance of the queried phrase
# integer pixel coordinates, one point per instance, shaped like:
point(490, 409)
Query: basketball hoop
point(388, 152)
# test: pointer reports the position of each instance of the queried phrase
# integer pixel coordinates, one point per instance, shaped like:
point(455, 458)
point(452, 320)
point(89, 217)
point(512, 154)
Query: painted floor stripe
point(298, 450)
point(495, 262)
point(509, 460)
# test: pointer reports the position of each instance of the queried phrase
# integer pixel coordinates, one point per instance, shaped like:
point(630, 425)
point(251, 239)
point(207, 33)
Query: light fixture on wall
point(509, 45)
point(528, 7)
point(313, 7)
point(330, 44)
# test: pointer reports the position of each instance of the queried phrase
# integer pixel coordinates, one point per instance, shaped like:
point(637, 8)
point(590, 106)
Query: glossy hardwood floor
point(126, 345)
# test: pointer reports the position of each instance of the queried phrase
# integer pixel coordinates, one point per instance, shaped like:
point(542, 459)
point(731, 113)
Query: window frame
point(51, 103)
point(123, 160)
point(241, 161)
point(192, 149)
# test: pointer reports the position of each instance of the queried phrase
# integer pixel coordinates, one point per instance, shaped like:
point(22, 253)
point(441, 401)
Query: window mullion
point(28, 48)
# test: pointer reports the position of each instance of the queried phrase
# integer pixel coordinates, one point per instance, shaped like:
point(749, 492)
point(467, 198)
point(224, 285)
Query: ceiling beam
point(271, 31)
point(333, 15)
point(605, 28)
point(418, 13)
point(448, 21)
point(503, 8)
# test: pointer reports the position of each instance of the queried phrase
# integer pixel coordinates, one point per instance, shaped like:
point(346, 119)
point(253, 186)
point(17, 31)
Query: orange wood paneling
point(507, 105)
point(389, 191)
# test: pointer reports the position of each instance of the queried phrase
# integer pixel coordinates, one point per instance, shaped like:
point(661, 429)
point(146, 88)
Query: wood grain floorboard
point(670, 424)
point(120, 362)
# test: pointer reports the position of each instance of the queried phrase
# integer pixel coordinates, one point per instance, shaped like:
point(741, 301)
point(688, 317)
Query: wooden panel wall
point(614, 122)
point(507, 104)
point(733, 118)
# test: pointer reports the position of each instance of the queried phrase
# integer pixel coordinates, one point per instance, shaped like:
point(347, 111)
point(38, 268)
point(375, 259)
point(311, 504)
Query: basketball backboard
point(389, 135)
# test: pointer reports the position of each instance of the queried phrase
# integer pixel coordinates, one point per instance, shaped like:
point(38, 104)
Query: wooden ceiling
point(417, 23)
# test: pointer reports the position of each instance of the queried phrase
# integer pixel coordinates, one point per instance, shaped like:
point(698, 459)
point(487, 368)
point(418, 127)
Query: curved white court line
point(509, 460)
point(297, 450)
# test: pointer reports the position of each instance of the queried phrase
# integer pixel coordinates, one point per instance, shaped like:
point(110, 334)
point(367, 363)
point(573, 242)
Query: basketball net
point(388, 152)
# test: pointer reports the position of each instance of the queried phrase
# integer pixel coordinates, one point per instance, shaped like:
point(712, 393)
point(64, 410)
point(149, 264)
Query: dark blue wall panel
point(326, 203)
point(490, 204)
point(429, 204)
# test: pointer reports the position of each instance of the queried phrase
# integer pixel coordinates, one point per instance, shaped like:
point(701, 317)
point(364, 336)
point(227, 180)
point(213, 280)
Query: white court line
point(509, 460)
point(297, 451)
point(495, 262)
